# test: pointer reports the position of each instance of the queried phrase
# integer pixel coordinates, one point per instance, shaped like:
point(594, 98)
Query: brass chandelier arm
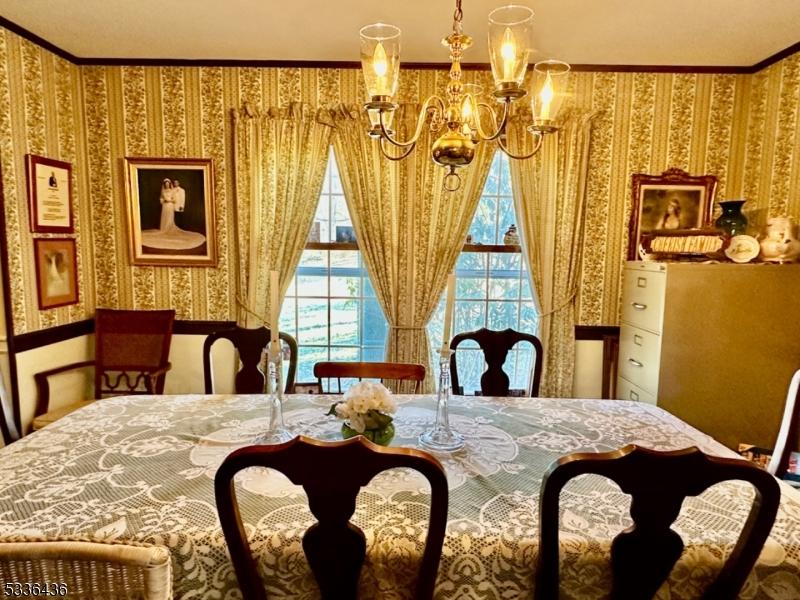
point(396, 158)
point(501, 127)
point(537, 145)
point(428, 105)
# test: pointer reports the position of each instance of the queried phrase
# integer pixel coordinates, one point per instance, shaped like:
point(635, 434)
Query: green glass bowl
point(382, 437)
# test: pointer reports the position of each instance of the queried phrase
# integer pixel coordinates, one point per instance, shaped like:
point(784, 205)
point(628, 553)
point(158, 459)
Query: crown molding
point(325, 64)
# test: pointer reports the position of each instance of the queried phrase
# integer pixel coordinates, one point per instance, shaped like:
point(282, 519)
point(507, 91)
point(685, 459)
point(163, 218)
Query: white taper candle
point(448, 310)
point(274, 306)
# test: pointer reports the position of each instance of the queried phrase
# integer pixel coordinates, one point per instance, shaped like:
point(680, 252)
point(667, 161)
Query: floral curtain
point(409, 229)
point(280, 157)
point(549, 199)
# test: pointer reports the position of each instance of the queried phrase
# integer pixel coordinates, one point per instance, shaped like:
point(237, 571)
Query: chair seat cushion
point(54, 415)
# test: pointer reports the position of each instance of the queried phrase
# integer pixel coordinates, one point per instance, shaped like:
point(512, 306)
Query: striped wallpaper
point(742, 128)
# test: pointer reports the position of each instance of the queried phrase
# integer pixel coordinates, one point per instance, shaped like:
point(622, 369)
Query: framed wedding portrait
point(170, 211)
point(673, 201)
point(56, 272)
point(49, 194)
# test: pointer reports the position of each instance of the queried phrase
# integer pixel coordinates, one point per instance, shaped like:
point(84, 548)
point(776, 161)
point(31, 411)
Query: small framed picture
point(345, 233)
point(170, 208)
point(673, 200)
point(49, 194)
point(56, 272)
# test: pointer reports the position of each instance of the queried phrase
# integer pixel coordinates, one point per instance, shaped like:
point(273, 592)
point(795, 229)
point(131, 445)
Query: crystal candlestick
point(276, 433)
point(440, 437)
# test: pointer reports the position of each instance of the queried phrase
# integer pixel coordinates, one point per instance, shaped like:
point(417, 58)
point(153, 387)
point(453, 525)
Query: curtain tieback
point(563, 304)
point(244, 306)
point(408, 327)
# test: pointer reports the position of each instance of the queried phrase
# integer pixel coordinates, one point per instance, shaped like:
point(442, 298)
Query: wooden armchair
point(334, 547)
point(495, 346)
point(371, 370)
point(131, 357)
point(643, 555)
point(250, 344)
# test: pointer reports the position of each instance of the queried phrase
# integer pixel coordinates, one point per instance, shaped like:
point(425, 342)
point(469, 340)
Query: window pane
point(344, 259)
point(471, 261)
point(470, 365)
point(471, 287)
point(288, 320)
point(312, 285)
point(484, 224)
point(312, 321)
point(469, 315)
point(344, 323)
point(314, 258)
point(503, 315)
point(345, 286)
point(374, 324)
point(505, 261)
point(308, 356)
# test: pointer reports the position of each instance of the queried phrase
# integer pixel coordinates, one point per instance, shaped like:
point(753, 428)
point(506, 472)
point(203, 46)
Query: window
point(330, 306)
point(493, 288)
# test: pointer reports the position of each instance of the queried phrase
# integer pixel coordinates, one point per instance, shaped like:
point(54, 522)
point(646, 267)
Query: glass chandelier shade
point(510, 34)
point(550, 79)
point(380, 59)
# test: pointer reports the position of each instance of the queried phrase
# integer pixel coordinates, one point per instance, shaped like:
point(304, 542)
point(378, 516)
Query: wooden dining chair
point(250, 345)
point(495, 346)
point(788, 433)
point(370, 370)
point(334, 547)
point(130, 357)
point(643, 555)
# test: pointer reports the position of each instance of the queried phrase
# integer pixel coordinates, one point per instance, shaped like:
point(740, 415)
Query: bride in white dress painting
point(169, 236)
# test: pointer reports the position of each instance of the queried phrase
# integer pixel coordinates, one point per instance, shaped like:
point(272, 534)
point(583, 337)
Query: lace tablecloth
point(141, 469)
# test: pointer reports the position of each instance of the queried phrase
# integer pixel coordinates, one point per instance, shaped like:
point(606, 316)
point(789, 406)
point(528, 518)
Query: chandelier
point(461, 114)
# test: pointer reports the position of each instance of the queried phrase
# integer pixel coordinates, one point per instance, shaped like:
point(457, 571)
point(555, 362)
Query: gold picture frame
point(56, 272)
point(49, 194)
point(673, 200)
point(170, 210)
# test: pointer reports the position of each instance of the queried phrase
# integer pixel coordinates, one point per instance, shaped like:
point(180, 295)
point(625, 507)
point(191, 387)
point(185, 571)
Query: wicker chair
point(131, 352)
point(85, 569)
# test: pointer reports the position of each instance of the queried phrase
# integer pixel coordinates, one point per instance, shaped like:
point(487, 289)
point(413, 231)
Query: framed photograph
point(673, 200)
point(170, 206)
point(345, 233)
point(49, 194)
point(56, 272)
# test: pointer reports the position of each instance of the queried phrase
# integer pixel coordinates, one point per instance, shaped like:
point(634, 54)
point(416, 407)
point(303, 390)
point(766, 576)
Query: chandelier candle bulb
point(509, 54)
point(546, 97)
point(448, 311)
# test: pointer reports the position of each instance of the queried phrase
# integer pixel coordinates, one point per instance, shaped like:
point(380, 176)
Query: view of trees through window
point(493, 288)
point(332, 311)
point(330, 307)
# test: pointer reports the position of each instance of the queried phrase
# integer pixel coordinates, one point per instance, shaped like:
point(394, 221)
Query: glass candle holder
point(276, 432)
point(440, 437)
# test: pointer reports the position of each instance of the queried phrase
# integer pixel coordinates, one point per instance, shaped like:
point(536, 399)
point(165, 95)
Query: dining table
point(140, 470)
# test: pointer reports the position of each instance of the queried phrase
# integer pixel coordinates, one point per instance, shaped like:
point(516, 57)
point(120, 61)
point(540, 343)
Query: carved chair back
point(495, 346)
point(385, 371)
point(130, 345)
point(251, 345)
point(643, 555)
point(334, 547)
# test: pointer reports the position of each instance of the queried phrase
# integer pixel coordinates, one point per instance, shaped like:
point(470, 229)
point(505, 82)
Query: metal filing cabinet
point(715, 344)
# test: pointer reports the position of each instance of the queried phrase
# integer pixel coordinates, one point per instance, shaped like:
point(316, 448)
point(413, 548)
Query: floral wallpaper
point(741, 128)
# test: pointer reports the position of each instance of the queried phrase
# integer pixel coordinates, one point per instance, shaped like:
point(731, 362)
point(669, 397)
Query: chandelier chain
point(458, 14)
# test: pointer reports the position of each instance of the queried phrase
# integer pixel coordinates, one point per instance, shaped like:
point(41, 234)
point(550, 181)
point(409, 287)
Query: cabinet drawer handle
point(638, 306)
point(641, 282)
point(635, 362)
point(633, 395)
point(637, 339)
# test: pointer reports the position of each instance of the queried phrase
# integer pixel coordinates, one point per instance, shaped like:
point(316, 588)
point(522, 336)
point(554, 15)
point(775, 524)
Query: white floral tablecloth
point(141, 468)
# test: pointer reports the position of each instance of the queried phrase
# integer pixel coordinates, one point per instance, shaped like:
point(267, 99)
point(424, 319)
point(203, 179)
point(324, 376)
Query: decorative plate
point(742, 248)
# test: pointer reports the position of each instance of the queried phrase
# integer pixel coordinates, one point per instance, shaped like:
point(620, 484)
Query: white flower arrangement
point(366, 405)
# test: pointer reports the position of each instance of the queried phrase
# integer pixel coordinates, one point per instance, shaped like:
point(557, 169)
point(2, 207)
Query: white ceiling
point(629, 32)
